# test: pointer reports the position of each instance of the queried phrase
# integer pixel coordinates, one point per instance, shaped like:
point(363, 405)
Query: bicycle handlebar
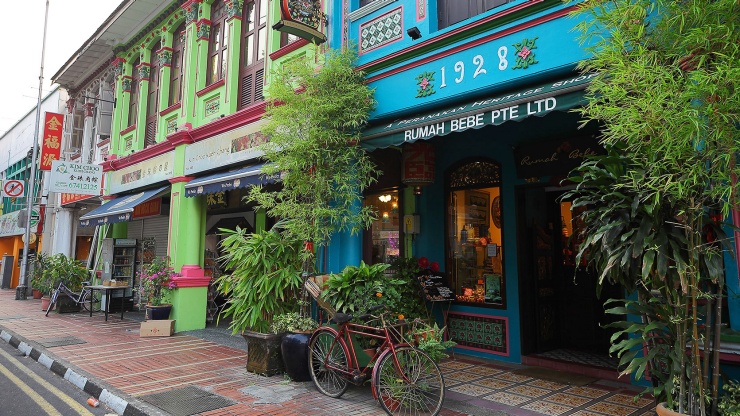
point(367, 315)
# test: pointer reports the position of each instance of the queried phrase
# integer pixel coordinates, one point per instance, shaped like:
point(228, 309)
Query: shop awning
point(227, 181)
point(120, 209)
point(517, 105)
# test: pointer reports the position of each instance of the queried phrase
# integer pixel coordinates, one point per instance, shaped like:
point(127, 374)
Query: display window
point(475, 229)
point(385, 230)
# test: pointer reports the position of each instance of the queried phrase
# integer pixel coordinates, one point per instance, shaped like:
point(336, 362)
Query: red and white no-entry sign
point(13, 188)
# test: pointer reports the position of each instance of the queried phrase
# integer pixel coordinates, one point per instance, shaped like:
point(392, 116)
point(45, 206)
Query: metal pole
point(21, 292)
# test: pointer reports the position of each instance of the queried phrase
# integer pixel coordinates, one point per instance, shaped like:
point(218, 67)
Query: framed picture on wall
point(477, 207)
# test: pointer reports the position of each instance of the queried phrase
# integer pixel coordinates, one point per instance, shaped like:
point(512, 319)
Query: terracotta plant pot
point(37, 294)
point(661, 410)
point(45, 303)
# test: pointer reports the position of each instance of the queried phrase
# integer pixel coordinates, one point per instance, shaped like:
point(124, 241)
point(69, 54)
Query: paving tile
point(493, 383)
point(567, 399)
point(507, 398)
point(528, 391)
point(546, 408)
point(611, 409)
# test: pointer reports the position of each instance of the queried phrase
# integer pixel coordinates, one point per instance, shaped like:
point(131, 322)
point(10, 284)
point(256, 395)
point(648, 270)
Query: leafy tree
point(666, 93)
point(315, 113)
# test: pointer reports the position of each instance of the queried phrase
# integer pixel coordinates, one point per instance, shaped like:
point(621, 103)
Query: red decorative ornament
point(308, 246)
point(423, 262)
point(434, 267)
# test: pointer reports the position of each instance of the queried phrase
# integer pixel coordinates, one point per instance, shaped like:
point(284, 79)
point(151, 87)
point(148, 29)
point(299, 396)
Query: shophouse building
point(473, 131)
point(474, 134)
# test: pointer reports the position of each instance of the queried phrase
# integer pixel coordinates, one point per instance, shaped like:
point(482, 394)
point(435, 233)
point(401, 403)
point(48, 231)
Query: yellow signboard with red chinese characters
point(51, 143)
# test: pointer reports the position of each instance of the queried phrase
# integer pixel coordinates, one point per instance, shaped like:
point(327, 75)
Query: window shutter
point(151, 134)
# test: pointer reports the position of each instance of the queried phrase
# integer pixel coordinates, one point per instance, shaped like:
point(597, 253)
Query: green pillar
point(186, 247)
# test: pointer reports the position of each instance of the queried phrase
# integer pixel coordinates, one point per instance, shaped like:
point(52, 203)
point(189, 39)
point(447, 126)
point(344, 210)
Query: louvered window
point(134, 95)
point(218, 43)
point(150, 138)
point(152, 106)
point(178, 51)
point(455, 11)
point(254, 42)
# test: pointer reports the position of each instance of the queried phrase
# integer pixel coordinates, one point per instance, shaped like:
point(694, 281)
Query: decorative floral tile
point(627, 400)
point(547, 384)
point(507, 398)
point(529, 391)
point(455, 365)
point(462, 376)
point(484, 371)
point(587, 413)
point(568, 399)
point(586, 391)
point(516, 378)
point(546, 408)
point(611, 409)
point(493, 383)
point(471, 390)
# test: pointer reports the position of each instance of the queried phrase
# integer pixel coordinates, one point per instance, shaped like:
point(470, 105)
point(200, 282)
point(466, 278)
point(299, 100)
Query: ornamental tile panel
point(381, 30)
point(480, 332)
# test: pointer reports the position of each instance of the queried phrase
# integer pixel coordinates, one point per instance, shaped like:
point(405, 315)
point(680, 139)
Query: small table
point(109, 290)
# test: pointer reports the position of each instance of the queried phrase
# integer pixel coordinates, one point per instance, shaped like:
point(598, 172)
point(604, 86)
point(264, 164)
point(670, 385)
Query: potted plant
point(156, 281)
point(41, 286)
point(262, 280)
point(59, 268)
point(294, 345)
point(430, 339)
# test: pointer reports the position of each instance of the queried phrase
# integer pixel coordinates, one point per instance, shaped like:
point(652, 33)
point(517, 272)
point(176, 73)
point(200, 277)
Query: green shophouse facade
point(185, 134)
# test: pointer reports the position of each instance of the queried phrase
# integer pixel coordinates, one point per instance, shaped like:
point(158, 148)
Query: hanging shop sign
point(554, 158)
point(9, 224)
point(51, 141)
point(302, 18)
point(78, 178)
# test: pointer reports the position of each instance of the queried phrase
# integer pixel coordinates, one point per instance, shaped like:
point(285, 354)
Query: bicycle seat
point(341, 318)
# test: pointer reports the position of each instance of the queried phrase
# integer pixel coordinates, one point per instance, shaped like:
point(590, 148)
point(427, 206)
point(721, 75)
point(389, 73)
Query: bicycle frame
point(72, 295)
point(354, 374)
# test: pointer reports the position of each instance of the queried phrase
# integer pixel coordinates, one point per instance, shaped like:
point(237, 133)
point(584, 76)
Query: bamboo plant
point(666, 95)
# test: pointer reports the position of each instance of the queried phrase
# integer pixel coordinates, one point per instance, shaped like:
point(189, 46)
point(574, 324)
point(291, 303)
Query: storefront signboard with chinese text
point(157, 169)
point(51, 143)
point(78, 178)
point(225, 149)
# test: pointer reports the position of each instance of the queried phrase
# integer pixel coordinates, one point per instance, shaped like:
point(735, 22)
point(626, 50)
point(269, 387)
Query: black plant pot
point(263, 353)
point(295, 355)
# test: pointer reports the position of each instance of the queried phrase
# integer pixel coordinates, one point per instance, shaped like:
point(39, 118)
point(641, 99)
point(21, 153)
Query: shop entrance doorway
point(559, 306)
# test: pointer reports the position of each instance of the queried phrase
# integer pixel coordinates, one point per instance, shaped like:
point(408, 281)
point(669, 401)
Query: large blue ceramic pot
point(294, 348)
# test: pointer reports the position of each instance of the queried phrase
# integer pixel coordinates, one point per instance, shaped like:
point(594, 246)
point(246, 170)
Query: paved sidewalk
point(203, 372)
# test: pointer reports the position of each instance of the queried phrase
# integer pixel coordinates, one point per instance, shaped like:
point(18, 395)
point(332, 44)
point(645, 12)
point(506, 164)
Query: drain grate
point(187, 401)
point(60, 342)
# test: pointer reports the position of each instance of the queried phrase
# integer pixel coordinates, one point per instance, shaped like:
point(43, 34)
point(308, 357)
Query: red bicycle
point(405, 380)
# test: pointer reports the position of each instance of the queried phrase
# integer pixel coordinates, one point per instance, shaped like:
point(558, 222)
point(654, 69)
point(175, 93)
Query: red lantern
point(418, 165)
point(423, 262)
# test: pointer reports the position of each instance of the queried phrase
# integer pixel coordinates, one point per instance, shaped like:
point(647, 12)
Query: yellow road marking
point(48, 408)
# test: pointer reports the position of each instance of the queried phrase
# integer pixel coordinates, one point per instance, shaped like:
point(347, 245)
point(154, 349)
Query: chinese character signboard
point(302, 18)
point(51, 144)
point(77, 178)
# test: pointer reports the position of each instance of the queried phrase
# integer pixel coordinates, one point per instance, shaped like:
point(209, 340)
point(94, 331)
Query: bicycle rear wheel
point(95, 301)
point(320, 353)
point(52, 301)
point(422, 394)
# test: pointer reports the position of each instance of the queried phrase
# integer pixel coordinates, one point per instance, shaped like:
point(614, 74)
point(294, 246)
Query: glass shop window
point(474, 230)
point(386, 236)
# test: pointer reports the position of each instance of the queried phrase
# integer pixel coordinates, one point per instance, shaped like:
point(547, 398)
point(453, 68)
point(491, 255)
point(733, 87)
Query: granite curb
point(116, 401)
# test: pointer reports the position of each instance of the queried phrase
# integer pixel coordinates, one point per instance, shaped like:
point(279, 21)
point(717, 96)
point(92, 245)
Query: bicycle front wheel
point(95, 301)
point(414, 387)
point(52, 301)
point(323, 351)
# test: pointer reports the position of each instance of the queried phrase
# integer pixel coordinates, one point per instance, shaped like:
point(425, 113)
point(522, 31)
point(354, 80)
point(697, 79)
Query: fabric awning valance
point(121, 208)
point(517, 105)
point(227, 181)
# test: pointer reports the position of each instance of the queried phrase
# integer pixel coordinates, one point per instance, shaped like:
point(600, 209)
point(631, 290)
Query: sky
point(70, 24)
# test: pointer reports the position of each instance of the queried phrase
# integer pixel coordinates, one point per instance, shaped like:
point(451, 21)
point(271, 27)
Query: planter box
point(162, 328)
point(263, 353)
point(67, 305)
